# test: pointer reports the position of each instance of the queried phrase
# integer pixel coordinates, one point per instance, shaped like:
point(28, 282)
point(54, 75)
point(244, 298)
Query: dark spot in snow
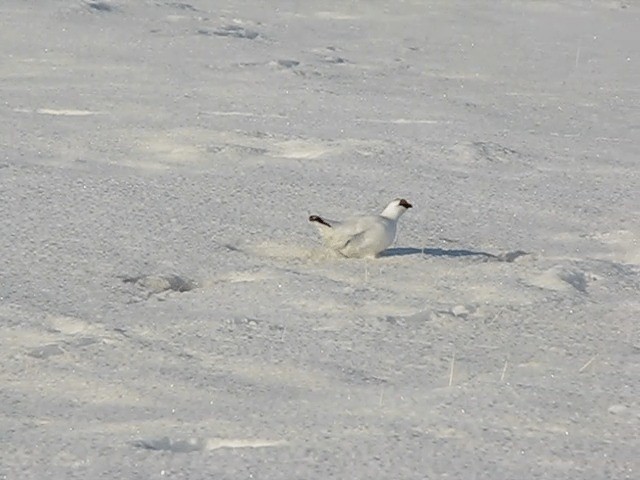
point(161, 283)
point(46, 351)
point(234, 31)
point(334, 60)
point(101, 6)
point(182, 6)
point(288, 63)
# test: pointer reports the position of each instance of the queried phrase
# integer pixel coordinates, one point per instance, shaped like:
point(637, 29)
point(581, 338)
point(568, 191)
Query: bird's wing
point(349, 231)
point(374, 238)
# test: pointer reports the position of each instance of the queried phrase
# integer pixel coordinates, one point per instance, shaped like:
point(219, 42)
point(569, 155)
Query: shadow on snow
point(453, 253)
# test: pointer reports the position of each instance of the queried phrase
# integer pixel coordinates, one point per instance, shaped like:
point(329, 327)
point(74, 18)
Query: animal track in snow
point(46, 351)
point(235, 31)
point(243, 146)
point(562, 278)
point(204, 444)
point(483, 153)
point(622, 245)
point(57, 335)
point(160, 283)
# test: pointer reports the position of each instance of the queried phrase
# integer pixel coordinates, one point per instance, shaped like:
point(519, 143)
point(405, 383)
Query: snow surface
point(167, 311)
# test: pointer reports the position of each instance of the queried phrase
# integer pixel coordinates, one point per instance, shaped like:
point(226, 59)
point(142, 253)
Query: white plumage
point(362, 236)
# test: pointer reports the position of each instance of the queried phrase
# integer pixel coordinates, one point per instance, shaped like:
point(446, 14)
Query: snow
point(167, 311)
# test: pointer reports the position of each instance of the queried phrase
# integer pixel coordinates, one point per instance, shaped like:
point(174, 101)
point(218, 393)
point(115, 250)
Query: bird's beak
point(405, 204)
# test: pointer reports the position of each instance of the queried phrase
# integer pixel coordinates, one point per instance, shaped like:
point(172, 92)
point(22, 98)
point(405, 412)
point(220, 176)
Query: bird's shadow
point(453, 253)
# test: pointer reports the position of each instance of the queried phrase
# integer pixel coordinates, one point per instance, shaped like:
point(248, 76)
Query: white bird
point(362, 236)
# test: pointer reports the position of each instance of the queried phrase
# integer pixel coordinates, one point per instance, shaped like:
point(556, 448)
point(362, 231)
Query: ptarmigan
point(362, 236)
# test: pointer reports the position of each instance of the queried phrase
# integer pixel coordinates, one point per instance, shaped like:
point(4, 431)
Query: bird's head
point(396, 208)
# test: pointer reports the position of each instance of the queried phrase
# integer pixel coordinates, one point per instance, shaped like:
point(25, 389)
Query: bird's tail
point(319, 220)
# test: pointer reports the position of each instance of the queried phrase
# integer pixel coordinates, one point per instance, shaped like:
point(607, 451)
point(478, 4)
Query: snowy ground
point(167, 312)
